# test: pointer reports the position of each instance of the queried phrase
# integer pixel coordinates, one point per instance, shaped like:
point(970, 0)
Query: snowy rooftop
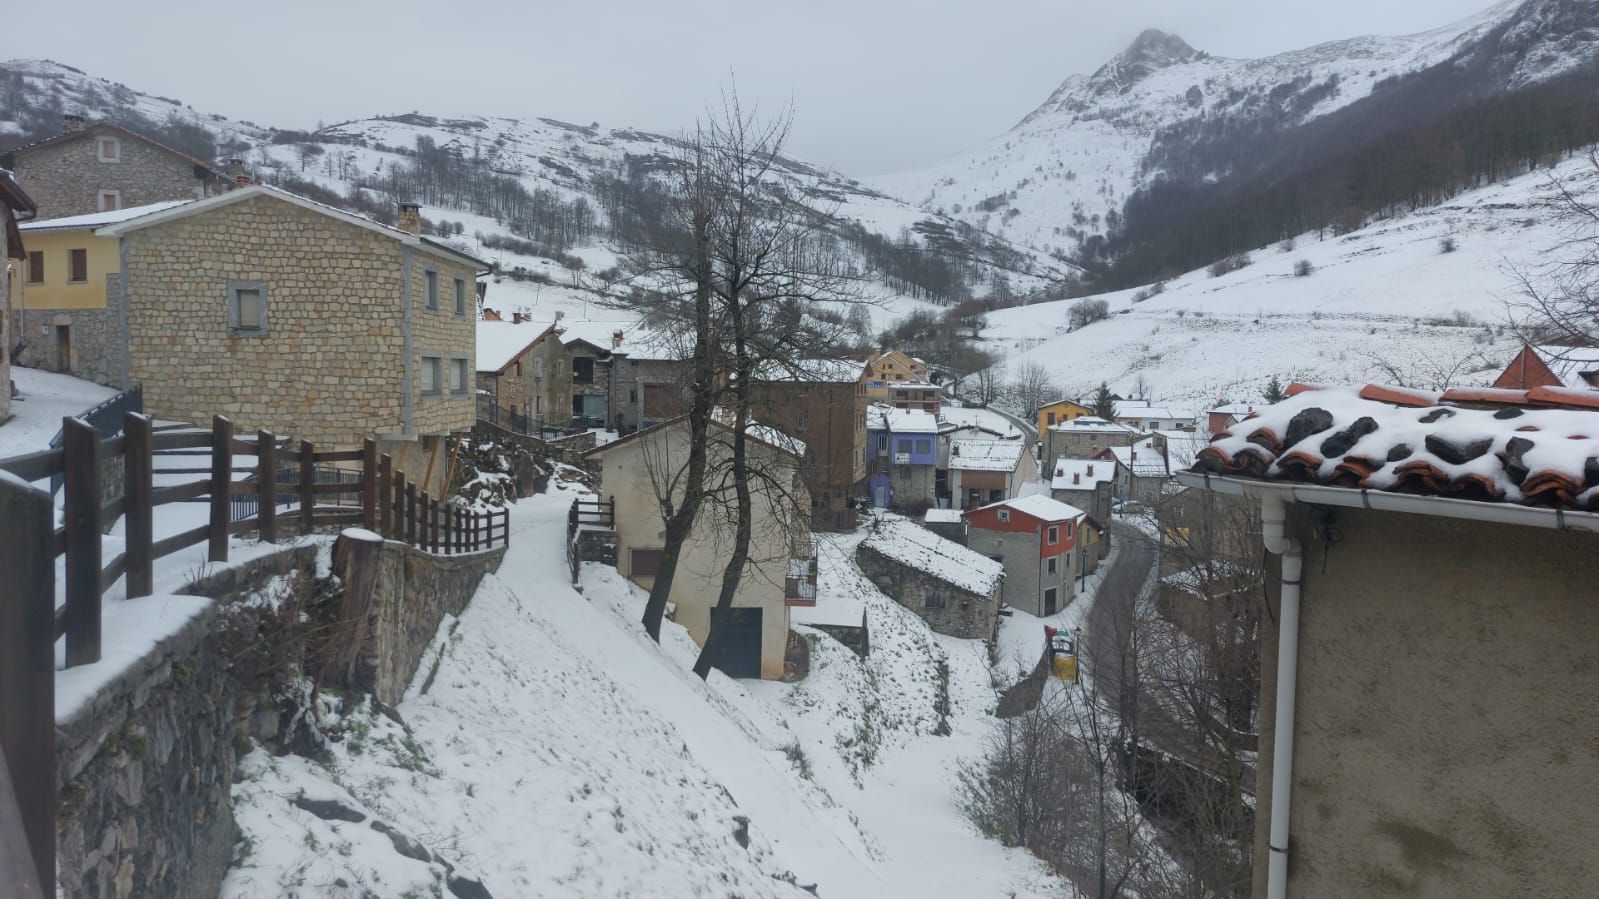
point(1144, 413)
point(1084, 424)
point(880, 417)
point(1238, 409)
point(1081, 474)
point(1040, 507)
point(1143, 459)
point(987, 419)
point(820, 371)
point(912, 545)
point(1537, 447)
point(1574, 366)
point(943, 516)
point(498, 343)
point(96, 219)
point(986, 455)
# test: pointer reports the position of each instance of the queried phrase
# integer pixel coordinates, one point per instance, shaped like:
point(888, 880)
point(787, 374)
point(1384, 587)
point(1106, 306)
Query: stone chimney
point(71, 122)
point(1090, 469)
point(616, 340)
point(234, 168)
point(410, 218)
point(517, 318)
point(1077, 478)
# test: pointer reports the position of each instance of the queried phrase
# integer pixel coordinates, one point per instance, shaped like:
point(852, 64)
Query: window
point(924, 446)
point(460, 296)
point(632, 394)
point(433, 288)
point(110, 200)
point(1054, 534)
point(110, 149)
point(1004, 515)
point(247, 308)
point(431, 372)
point(518, 371)
point(458, 375)
point(933, 598)
point(538, 368)
point(644, 562)
point(1051, 417)
point(802, 423)
point(1053, 565)
point(78, 268)
point(36, 267)
point(583, 370)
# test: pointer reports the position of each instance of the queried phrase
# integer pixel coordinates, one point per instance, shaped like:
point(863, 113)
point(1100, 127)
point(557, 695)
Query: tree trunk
point(734, 572)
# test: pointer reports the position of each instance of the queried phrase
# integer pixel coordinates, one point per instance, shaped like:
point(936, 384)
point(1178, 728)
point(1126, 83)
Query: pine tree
point(1274, 391)
point(1104, 403)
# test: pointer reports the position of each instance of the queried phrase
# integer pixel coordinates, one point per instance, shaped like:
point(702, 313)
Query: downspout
point(407, 363)
point(1274, 535)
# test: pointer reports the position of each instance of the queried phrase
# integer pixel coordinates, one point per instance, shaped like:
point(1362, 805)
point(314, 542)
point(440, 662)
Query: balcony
point(799, 587)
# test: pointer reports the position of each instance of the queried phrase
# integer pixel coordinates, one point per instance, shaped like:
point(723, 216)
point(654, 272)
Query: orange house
point(1035, 538)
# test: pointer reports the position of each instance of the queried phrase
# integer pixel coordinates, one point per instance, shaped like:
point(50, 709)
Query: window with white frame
point(1004, 515)
point(109, 149)
point(1053, 564)
point(1054, 533)
point(247, 308)
point(110, 200)
point(432, 374)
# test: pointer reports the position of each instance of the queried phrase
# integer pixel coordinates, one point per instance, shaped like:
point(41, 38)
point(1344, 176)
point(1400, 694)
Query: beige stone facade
point(349, 347)
point(81, 172)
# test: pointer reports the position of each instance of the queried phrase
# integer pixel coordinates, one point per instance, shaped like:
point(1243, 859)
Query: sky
point(874, 85)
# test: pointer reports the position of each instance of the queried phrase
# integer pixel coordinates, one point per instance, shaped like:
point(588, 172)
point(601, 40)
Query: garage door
point(739, 654)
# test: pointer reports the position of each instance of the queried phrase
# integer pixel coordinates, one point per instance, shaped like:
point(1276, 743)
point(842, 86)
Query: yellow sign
point(1065, 667)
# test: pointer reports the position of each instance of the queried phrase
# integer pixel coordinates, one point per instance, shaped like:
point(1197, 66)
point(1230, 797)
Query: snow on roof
point(1536, 447)
point(764, 433)
point(1093, 424)
point(986, 455)
point(96, 219)
point(499, 343)
point(943, 516)
point(1040, 507)
point(1143, 459)
point(1238, 409)
point(915, 385)
point(1145, 413)
point(1575, 366)
point(987, 419)
point(880, 417)
point(1081, 474)
point(821, 371)
point(914, 546)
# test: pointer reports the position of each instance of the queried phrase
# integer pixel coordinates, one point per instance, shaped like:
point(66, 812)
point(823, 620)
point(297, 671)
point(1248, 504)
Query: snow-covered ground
point(44, 399)
point(550, 749)
point(1385, 292)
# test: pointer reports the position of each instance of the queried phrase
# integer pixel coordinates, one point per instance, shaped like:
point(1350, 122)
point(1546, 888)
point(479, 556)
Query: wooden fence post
point(266, 476)
point(386, 495)
point(27, 678)
point(138, 495)
point(307, 485)
point(410, 512)
point(369, 483)
point(81, 508)
point(435, 526)
point(422, 535)
point(221, 487)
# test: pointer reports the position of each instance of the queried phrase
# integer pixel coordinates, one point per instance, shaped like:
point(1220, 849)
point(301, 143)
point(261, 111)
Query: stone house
point(509, 371)
point(1085, 436)
point(1428, 718)
point(772, 581)
point(1147, 417)
point(1036, 539)
point(823, 403)
point(294, 317)
point(1052, 414)
point(900, 458)
point(1087, 484)
point(987, 471)
point(101, 167)
point(921, 396)
point(886, 369)
point(61, 317)
point(15, 205)
point(955, 590)
point(625, 376)
point(1142, 474)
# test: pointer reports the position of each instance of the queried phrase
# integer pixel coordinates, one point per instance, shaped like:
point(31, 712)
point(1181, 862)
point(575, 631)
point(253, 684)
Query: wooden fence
point(30, 542)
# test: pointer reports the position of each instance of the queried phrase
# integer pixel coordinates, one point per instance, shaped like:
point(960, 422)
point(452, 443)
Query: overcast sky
point(877, 85)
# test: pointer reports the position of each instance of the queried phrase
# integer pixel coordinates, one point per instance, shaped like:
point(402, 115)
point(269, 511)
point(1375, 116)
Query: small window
point(431, 371)
point(110, 200)
point(1053, 567)
point(110, 149)
point(78, 266)
point(933, 598)
point(538, 368)
point(458, 375)
point(433, 288)
point(924, 446)
point(1054, 534)
point(36, 267)
point(247, 308)
point(1004, 515)
point(802, 423)
point(460, 296)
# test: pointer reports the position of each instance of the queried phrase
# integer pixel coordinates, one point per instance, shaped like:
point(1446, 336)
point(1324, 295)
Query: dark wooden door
point(739, 654)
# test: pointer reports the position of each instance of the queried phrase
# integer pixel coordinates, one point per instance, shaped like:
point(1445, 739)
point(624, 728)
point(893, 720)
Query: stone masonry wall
point(98, 350)
point(329, 367)
point(440, 332)
point(964, 614)
point(66, 178)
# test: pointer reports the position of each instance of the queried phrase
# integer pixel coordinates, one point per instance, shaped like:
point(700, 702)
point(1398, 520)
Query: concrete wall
point(1447, 732)
point(962, 614)
point(66, 178)
point(332, 366)
point(625, 475)
point(1027, 575)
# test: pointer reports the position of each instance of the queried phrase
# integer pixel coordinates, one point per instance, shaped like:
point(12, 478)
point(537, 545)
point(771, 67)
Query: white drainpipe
point(1274, 534)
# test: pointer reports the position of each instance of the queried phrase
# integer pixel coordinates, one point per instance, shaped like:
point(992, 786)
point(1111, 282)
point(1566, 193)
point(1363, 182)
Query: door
point(64, 348)
point(1049, 601)
point(739, 654)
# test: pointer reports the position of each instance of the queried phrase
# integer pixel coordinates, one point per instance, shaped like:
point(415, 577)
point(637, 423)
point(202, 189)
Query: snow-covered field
point(1386, 292)
point(550, 749)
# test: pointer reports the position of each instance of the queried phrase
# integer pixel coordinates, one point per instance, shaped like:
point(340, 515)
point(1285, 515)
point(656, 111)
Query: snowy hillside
point(1387, 292)
point(555, 162)
point(1067, 169)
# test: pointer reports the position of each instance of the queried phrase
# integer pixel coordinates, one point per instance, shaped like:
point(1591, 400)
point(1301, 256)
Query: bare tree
point(1033, 387)
point(1559, 302)
point(1422, 370)
point(990, 382)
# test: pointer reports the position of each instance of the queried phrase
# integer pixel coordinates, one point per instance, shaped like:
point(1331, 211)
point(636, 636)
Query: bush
point(1447, 244)
point(1085, 312)
point(1229, 265)
point(1153, 290)
point(1303, 268)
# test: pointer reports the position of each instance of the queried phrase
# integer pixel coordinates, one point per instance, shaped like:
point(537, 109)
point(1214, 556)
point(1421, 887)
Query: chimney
point(517, 318)
point(560, 314)
point(234, 168)
point(1077, 478)
point(410, 218)
point(71, 122)
point(616, 340)
point(1090, 469)
point(489, 315)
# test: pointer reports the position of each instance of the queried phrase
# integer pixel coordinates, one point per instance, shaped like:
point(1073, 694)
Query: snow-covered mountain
point(554, 162)
point(1065, 172)
point(1422, 298)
